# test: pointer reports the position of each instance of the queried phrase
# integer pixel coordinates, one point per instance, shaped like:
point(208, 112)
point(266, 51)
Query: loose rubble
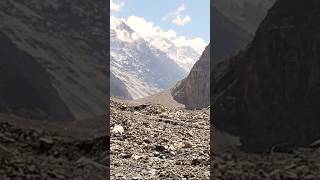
point(159, 142)
point(35, 154)
point(232, 164)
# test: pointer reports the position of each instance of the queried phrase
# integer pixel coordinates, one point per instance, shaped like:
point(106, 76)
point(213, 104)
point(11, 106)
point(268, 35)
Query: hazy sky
point(188, 20)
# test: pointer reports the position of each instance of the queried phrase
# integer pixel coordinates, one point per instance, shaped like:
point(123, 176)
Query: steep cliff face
point(64, 44)
point(194, 91)
point(269, 94)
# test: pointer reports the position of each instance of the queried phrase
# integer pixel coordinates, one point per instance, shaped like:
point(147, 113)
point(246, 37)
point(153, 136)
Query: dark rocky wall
point(270, 93)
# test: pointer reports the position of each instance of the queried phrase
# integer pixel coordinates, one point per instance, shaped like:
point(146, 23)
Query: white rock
point(118, 129)
point(136, 157)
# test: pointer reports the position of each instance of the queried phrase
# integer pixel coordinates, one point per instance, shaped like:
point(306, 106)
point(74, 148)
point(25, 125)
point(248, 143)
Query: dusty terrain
point(155, 142)
point(163, 98)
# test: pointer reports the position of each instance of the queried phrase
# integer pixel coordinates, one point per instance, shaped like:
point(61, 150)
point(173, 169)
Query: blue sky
point(188, 18)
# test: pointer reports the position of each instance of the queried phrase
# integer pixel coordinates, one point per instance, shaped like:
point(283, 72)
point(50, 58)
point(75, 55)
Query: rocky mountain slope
point(156, 142)
point(269, 93)
point(143, 69)
point(194, 91)
point(53, 63)
point(228, 38)
point(53, 58)
point(118, 88)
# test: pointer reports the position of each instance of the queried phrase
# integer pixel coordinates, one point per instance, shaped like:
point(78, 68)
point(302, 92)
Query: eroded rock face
point(194, 91)
point(269, 94)
point(64, 43)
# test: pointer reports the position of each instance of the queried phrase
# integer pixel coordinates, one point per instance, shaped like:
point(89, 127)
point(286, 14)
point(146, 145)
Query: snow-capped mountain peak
point(184, 56)
point(144, 69)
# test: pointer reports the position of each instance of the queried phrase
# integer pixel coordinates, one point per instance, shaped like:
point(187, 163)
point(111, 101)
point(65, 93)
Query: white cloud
point(197, 44)
point(177, 18)
point(116, 5)
point(149, 30)
point(144, 28)
point(181, 21)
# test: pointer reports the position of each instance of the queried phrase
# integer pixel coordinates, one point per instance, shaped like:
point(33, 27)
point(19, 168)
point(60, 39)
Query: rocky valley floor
point(147, 142)
point(155, 142)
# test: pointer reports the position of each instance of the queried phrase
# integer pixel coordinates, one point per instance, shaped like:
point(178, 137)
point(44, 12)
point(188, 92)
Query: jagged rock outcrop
point(269, 94)
point(61, 57)
point(194, 91)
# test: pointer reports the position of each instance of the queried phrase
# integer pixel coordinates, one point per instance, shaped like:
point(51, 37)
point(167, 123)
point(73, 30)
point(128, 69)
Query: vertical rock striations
point(269, 94)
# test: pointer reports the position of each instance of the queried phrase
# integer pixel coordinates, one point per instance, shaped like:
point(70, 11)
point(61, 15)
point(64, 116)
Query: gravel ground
point(155, 142)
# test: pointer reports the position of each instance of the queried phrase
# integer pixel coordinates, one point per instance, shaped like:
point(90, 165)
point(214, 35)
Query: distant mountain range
point(145, 66)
